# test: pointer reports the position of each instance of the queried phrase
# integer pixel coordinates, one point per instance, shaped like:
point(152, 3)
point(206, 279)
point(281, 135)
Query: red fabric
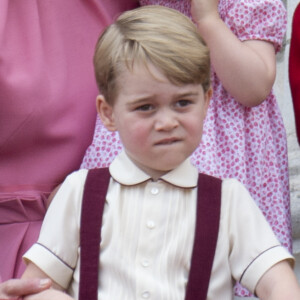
point(294, 67)
point(96, 186)
point(206, 235)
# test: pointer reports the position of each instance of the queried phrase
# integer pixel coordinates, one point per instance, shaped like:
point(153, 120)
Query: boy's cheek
point(136, 135)
point(139, 137)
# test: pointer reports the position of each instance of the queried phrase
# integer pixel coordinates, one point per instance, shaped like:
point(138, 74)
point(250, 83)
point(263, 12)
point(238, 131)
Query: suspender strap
point(206, 235)
point(96, 186)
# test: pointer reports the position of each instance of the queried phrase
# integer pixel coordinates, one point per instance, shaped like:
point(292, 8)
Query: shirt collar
point(124, 171)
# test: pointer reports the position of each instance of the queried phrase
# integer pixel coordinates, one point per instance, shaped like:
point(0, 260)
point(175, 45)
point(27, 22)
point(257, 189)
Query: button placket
point(148, 233)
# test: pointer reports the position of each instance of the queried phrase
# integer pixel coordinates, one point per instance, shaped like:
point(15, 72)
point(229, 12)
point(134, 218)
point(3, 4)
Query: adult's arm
point(15, 288)
point(56, 292)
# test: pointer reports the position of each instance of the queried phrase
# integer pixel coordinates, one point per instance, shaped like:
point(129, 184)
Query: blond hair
point(151, 34)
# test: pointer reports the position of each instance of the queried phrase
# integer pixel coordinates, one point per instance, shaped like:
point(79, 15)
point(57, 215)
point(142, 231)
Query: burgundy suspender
point(206, 234)
point(93, 201)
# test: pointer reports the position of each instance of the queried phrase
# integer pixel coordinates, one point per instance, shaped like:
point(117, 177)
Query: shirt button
point(145, 263)
point(154, 191)
point(146, 295)
point(150, 224)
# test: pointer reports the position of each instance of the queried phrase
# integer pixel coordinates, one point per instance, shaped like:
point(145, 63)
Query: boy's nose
point(166, 122)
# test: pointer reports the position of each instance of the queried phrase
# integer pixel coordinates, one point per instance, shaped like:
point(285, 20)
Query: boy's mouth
point(167, 141)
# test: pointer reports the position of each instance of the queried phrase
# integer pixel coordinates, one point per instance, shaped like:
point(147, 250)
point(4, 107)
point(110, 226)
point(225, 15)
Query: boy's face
point(159, 123)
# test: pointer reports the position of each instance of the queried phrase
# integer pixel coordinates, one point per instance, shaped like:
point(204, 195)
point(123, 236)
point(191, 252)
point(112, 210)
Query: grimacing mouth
point(167, 141)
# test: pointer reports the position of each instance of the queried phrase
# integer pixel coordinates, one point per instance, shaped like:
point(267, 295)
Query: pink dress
point(245, 143)
point(47, 108)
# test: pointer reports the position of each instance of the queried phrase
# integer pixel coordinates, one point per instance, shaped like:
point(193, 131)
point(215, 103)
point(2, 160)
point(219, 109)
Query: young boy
point(153, 71)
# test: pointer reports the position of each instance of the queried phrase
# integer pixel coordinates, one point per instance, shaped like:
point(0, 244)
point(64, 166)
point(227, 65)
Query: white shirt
point(147, 236)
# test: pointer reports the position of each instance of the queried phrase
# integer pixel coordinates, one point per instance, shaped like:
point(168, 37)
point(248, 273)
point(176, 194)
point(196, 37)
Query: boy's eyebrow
point(151, 97)
point(140, 100)
point(187, 94)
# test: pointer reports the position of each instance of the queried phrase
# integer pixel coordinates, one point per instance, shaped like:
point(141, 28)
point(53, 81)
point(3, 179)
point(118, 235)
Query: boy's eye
point(144, 107)
point(183, 103)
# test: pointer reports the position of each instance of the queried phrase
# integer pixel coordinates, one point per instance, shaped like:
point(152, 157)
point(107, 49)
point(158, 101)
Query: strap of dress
point(206, 235)
point(94, 196)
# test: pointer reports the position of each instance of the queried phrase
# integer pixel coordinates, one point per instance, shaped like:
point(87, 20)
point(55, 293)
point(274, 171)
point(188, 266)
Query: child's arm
point(56, 292)
point(246, 69)
point(278, 283)
point(52, 195)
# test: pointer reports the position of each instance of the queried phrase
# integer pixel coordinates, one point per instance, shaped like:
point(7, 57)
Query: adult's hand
point(16, 288)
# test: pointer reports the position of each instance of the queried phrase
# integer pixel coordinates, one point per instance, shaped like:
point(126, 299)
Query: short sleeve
point(254, 247)
point(57, 249)
point(256, 20)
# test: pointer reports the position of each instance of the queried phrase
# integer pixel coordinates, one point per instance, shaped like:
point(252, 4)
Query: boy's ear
point(105, 112)
point(208, 96)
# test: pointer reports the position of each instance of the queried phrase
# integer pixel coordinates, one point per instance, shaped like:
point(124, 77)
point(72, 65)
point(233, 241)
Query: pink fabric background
point(47, 108)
